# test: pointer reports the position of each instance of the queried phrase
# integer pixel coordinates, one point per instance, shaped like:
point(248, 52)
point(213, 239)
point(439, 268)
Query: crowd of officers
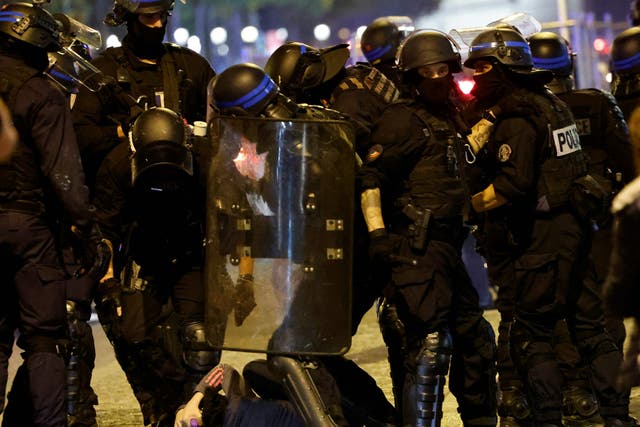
point(527, 162)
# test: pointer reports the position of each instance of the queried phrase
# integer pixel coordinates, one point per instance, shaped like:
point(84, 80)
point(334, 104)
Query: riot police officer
point(150, 203)
point(155, 73)
point(42, 188)
point(412, 199)
point(604, 137)
point(362, 401)
point(361, 92)
point(319, 77)
point(625, 70)
point(380, 42)
point(536, 243)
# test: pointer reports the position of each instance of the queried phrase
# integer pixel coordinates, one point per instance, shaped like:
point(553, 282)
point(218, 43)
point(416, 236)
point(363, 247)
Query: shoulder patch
point(374, 153)
point(504, 152)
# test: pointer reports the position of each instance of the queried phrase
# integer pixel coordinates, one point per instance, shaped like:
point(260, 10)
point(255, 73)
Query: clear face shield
point(70, 68)
point(75, 31)
point(522, 22)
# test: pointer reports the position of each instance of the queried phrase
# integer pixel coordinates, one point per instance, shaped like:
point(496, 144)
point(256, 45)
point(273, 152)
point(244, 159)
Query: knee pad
point(513, 403)
point(579, 401)
point(198, 355)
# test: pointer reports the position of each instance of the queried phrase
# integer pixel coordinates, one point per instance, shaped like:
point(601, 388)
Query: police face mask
point(146, 42)
point(435, 90)
point(491, 86)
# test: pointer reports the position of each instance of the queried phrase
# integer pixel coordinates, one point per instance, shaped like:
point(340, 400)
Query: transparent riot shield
point(279, 236)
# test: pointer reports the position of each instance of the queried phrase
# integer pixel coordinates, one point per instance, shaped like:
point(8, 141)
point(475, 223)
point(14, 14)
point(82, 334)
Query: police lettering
point(566, 140)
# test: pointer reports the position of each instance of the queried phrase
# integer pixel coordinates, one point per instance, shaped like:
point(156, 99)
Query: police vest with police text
point(584, 105)
point(562, 160)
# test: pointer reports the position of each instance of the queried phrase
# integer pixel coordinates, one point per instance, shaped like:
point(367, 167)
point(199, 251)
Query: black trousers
point(147, 338)
point(539, 286)
point(35, 282)
point(437, 295)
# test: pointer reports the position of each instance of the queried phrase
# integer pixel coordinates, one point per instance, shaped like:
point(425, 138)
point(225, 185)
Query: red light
point(599, 44)
point(466, 86)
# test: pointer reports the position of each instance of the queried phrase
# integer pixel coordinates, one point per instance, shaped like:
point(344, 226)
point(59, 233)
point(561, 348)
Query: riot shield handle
point(302, 391)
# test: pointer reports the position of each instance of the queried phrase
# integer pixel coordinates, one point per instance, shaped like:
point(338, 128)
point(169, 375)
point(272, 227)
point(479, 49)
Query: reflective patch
point(567, 140)
point(584, 126)
point(373, 153)
point(504, 152)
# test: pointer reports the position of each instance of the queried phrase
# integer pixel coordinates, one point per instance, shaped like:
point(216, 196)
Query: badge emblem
point(504, 152)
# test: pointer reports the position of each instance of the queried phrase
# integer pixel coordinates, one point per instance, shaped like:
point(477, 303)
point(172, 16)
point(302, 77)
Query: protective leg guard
point(424, 390)
point(80, 360)
point(393, 334)
point(302, 392)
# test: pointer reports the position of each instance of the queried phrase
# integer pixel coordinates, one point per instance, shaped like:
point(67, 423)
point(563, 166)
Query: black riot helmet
point(30, 25)
point(381, 39)
point(426, 47)
point(625, 63)
point(504, 45)
point(161, 160)
point(123, 10)
point(245, 90)
point(625, 52)
point(551, 51)
point(297, 67)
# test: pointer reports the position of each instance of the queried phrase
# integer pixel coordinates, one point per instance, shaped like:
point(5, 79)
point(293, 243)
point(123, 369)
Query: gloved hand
point(190, 415)
point(243, 300)
point(381, 247)
point(96, 253)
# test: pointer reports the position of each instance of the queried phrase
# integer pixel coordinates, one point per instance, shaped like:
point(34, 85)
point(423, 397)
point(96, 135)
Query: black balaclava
point(492, 85)
point(435, 91)
point(144, 41)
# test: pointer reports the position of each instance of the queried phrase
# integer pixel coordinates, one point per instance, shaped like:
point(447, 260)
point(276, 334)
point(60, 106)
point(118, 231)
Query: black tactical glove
point(243, 300)
point(381, 247)
point(96, 253)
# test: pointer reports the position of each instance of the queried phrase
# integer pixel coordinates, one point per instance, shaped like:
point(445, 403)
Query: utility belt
point(26, 206)
point(422, 227)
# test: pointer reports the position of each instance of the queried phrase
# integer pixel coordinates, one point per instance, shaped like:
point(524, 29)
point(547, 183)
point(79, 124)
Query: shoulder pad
point(615, 110)
point(370, 79)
